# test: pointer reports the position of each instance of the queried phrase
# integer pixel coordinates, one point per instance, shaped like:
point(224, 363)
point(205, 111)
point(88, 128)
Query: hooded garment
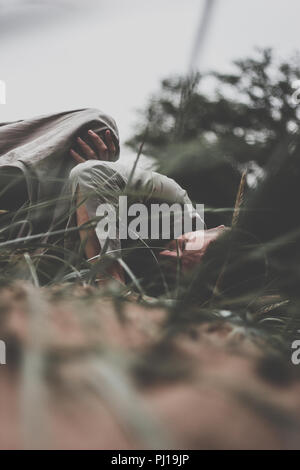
point(36, 172)
point(37, 152)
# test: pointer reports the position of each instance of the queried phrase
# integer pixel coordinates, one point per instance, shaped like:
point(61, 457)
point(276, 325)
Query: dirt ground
point(85, 372)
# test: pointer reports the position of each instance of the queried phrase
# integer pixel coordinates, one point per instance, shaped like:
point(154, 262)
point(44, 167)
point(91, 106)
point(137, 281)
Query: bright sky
point(67, 54)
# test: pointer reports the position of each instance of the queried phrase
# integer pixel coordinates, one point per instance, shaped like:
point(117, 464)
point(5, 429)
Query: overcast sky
point(67, 54)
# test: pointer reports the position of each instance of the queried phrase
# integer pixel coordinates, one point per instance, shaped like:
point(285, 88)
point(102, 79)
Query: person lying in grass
point(55, 172)
point(97, 179)
point(39, 177)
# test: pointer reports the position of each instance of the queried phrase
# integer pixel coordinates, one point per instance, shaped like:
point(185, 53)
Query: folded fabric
point(38, 150)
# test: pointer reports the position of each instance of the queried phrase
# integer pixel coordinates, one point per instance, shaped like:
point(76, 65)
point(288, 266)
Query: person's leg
point(88, 237)
point(84, 215)
point(91, 243)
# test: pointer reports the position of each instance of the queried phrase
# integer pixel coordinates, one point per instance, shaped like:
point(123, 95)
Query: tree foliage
point(204, 139)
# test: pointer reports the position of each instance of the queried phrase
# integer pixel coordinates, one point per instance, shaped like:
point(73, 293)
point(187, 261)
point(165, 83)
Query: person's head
point(190, 248)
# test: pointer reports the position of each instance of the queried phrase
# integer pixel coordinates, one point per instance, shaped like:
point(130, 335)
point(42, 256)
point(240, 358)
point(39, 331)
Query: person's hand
point(191, 247)
point(103, 150)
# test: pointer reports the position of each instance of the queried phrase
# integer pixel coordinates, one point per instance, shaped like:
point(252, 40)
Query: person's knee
point(93, 175)
point(91, 169)
point(82, 171)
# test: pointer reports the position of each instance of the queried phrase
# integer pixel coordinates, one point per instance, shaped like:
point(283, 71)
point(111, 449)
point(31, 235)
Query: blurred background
point(67, 54)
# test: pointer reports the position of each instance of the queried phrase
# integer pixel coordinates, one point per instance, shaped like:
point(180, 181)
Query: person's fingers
point(110, 143)
point(76, 156)
point(87, 150)
point(168, 253)
point(102, 150)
